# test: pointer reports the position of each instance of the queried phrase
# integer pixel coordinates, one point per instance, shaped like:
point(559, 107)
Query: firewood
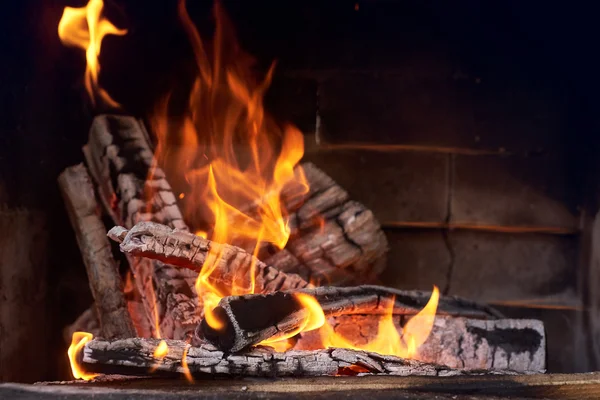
point(250, 319)
point(182, 248)
point(133, 189)
point(514, 344)
point(102, 270)
point(135, 356)
point(334, 240)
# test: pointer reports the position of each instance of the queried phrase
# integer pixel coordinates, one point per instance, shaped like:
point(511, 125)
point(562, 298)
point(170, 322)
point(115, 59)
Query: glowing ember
point(85, 28)
point(79, 340)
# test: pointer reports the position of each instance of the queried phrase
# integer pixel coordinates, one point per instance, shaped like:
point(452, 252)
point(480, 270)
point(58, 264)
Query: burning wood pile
point(243, 260)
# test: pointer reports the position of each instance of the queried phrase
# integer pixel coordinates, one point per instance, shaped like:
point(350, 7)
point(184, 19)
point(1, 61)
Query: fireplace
point(465, 129)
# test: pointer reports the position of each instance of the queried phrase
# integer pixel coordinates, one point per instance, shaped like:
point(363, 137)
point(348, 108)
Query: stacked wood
point(334, 240)
point(250, 319)
point(102, 270)
point(135, 356)
point(502, 344)
point(132, 190)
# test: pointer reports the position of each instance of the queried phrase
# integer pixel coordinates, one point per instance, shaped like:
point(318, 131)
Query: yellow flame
point(79, 340)
point(232, 160)
point(184, 365)
point(85, 27)
point(160, 353)
point(161, 350)
point(315, 318)
point(387, 341)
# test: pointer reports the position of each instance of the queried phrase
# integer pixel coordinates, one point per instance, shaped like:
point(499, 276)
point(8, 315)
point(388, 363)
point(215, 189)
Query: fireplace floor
point(543, 386)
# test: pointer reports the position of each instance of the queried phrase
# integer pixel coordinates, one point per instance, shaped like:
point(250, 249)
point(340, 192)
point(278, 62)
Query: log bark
point(250, 319)
point(133, 189)
point(135, 356)
point(102, 270)
point(184, 249)
point(334, 240)
point(514, 344)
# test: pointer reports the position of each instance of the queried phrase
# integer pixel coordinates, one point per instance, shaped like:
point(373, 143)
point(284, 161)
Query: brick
point(418, 259)
point(498, 266)
point(405, 108)
point(495, 190)
point(518, 116)
point(402, 186)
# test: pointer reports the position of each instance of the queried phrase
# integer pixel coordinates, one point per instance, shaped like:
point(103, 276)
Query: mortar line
point(450, 177)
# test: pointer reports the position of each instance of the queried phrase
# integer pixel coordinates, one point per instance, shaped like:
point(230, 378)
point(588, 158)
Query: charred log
point(514, 344)
point(250, 319)
point(334, 240)
point(136, 357)
point(102, 270)
point(184, 249)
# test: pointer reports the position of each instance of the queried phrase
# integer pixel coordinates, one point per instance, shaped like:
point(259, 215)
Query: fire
point(161, 350)
point(79, 340)
point(233, 160)
point(85, 27)
point(315, 318)
point(387, 341)
point(160, 353)
point(184, 365)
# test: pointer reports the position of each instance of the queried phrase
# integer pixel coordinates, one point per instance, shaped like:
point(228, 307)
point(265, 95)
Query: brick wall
point(467, 177)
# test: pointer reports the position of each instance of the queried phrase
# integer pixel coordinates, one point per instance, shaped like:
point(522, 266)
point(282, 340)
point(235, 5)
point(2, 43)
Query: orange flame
point(184, 365)
point(85, 27)
point(79, 340)
point(315, 318)
point(160, 353)
point(235, 160)
point(387, 341)
point(161, 350)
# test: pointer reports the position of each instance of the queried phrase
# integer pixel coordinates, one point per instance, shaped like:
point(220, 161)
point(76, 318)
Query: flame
point(85, 27)
point(160, 353)
point(161, 350)
point(387, 341)
point(315, 318)
point(79, 340)
point(228, 158)
point(184, 365)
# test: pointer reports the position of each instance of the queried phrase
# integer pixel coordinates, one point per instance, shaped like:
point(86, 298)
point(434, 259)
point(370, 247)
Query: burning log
point(133, 189)
point(250, 319)
point(184, 249)
point(513, 344)
point(334, 240)
point(136, 356)
point(102, 270)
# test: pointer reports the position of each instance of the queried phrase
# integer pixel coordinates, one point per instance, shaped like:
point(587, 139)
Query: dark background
point(543, 47)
